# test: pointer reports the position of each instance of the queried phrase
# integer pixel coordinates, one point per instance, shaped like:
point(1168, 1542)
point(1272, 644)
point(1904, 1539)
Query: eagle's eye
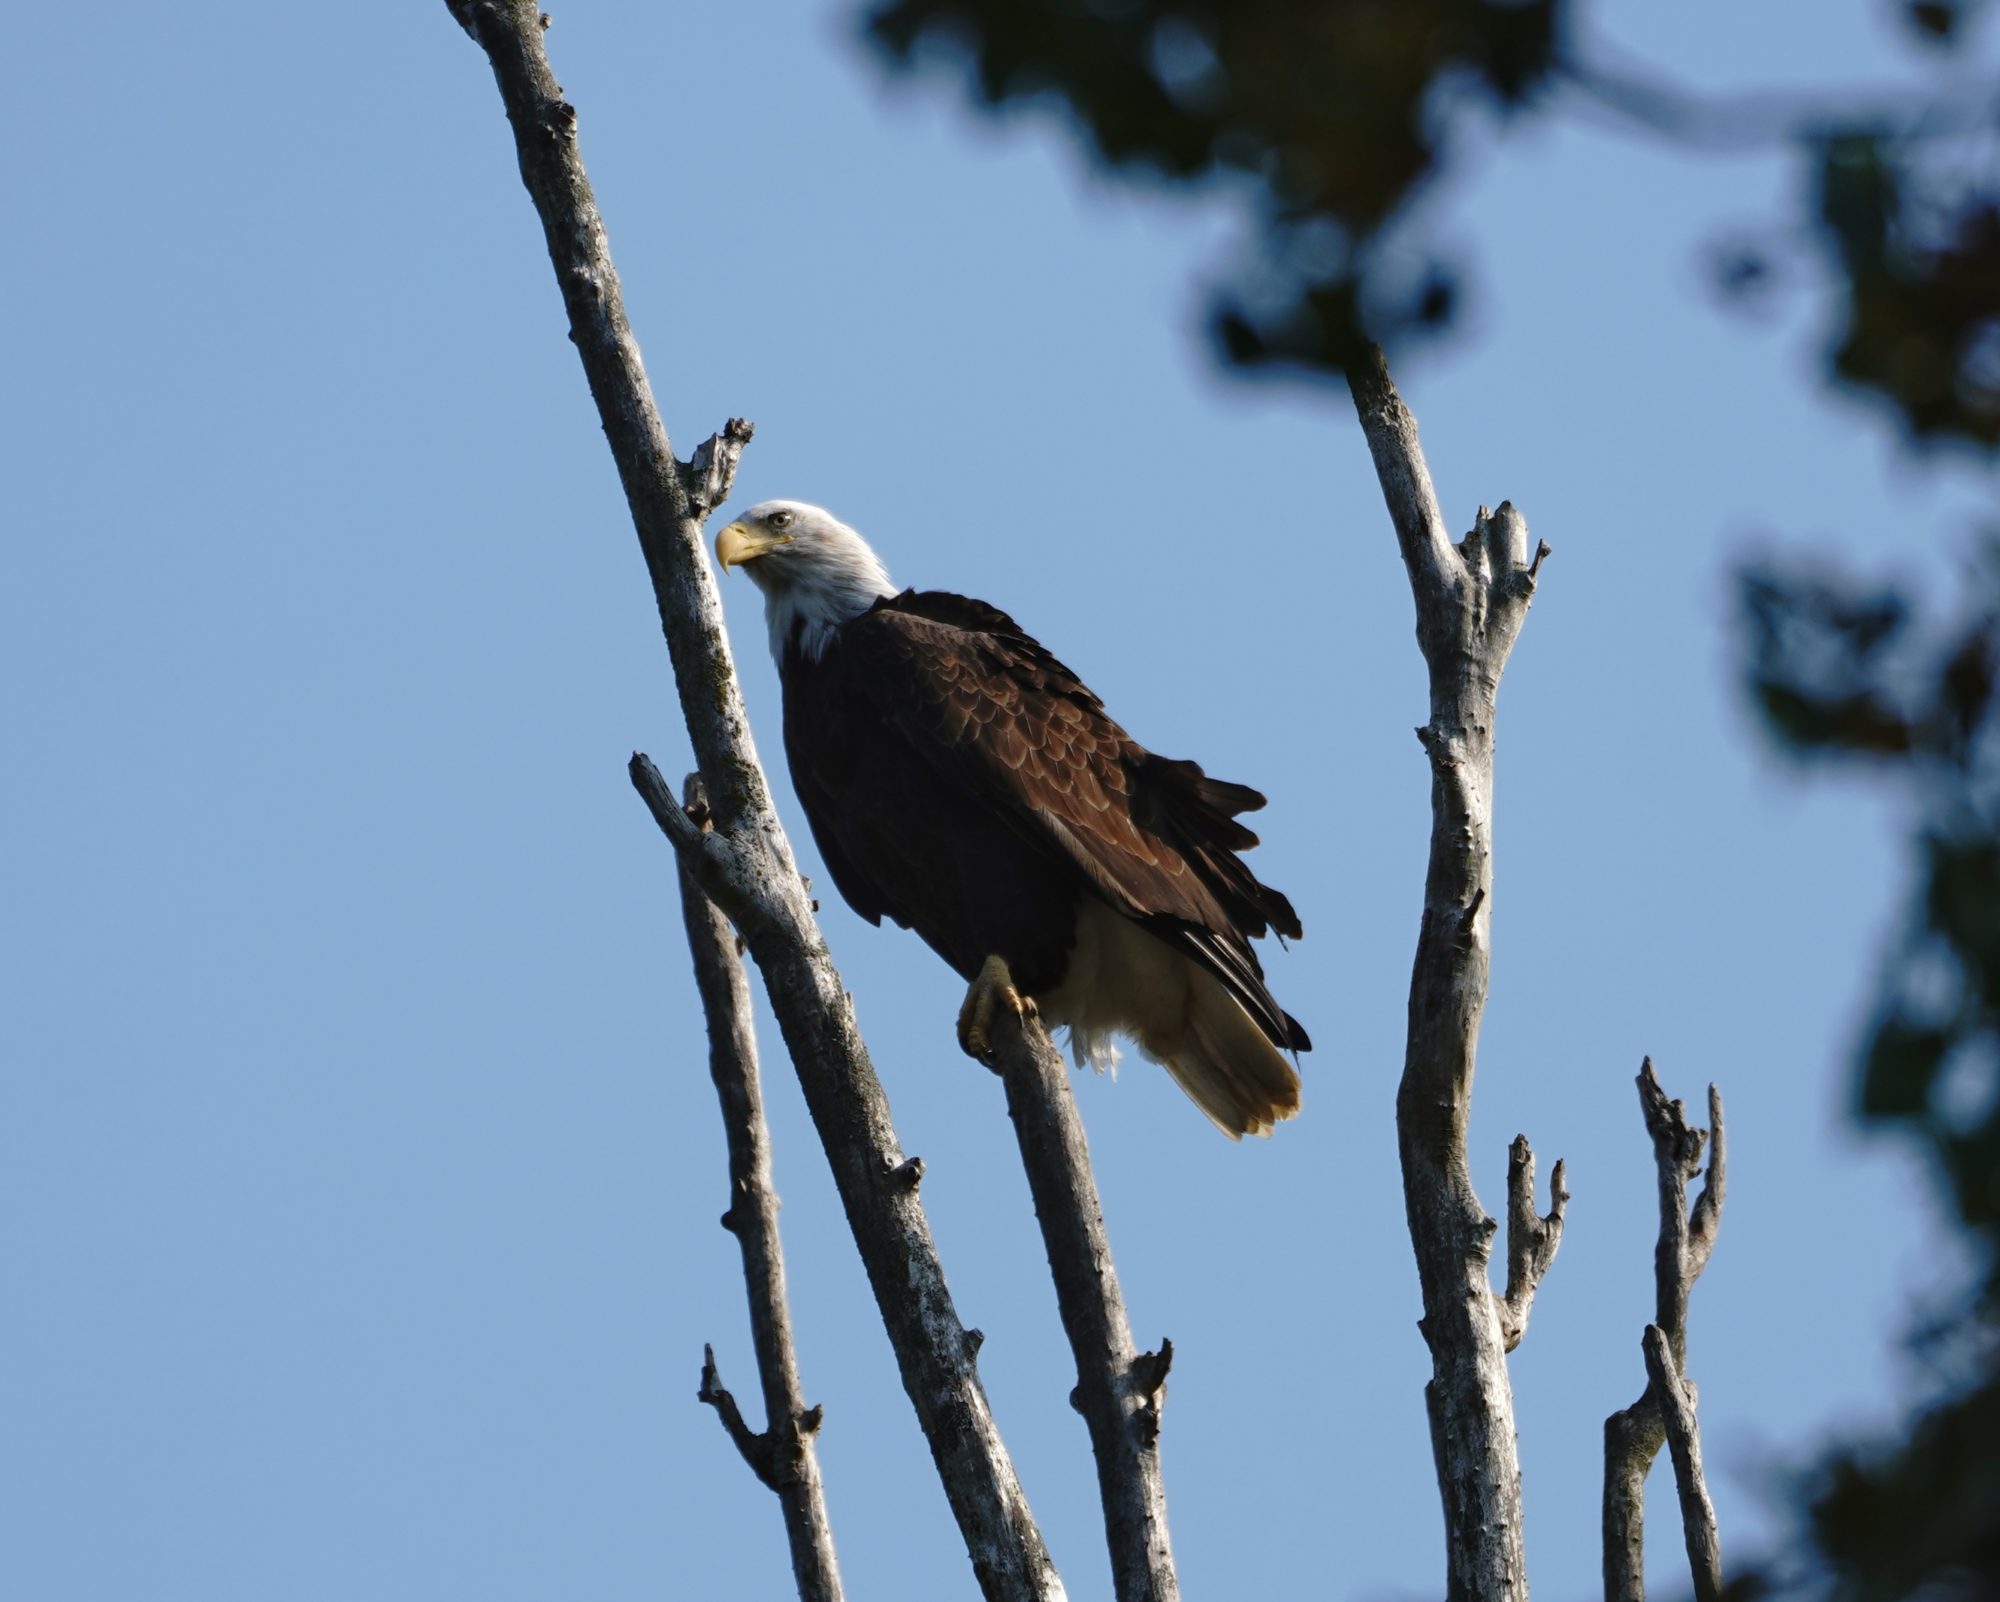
point(779, 519)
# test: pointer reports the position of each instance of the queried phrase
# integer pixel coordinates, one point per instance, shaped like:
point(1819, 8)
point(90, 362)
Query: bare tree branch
point(878, 1187)
point(1421, 530)
point(1676, 1398)
point(1118, 1392)
point(1634, 1435)
point(783, 1456)
point(1632, 1439)
point(1471, 600)
point(746, 866)
point(1531, 1240)
point(668, 498)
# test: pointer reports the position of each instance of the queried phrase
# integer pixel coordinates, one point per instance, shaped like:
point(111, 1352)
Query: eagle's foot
point(991, 990)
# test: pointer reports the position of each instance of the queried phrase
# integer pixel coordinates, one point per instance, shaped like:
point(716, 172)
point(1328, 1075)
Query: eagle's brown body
point(963, 782)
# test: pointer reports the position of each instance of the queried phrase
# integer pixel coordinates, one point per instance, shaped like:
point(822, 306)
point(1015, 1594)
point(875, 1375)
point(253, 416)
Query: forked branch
point(1676, 1398)
point(782, 1456)
point(753, 1446)
point(1532, 1238)
point(1471, 600)
point(1665, 1412)
point(878, 1186)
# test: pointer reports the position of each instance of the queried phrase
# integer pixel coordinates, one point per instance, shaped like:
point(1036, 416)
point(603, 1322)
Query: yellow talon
point(991, 989)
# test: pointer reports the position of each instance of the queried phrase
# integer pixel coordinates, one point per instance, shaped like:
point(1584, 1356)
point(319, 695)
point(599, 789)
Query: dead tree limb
point(1634, 1435)
point(1118, 1391)
point(1471, 600)
point(1677, 1403)
point(746, 865)
point(1532, 1238)
point(782, 1456)
point(878, 1188)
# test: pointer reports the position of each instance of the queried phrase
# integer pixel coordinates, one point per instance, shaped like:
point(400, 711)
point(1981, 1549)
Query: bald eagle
point(962, 781)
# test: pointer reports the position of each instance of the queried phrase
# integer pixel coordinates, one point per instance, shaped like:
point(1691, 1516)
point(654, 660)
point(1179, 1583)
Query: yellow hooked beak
point(740, 543)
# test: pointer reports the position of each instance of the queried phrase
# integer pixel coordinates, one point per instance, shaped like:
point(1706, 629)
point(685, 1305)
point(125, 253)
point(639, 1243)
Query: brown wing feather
point(1017, 726)
point(1157, 838)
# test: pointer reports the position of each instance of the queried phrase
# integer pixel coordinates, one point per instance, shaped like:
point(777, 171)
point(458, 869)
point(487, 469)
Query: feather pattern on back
point(946, 705)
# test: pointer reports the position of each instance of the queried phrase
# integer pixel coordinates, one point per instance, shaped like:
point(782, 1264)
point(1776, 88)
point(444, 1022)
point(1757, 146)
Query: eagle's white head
point(816, 572)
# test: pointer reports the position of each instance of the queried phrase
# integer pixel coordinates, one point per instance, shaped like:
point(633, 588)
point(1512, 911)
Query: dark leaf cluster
point(1940, 21)
point(1327, 114)
point(1329, 117)
point(1915, 240)
point(1847, 671)
point(1921, 1519)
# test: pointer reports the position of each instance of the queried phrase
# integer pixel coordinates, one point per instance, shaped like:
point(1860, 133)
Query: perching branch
point(1633, 1437)
point(1471, 599)
point(1119, 1392)
point(782, 1456)
point(746, 865)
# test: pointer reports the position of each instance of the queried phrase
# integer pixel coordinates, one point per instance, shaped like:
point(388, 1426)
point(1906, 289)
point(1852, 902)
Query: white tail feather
point(1227, 1064)
point(1124, 980)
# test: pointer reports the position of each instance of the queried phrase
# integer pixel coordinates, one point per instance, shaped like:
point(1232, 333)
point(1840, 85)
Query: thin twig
point(752, 1445)
point(751, 873)
point(1634, 1435)
point(1119, 1392)
point(1471, 599)
point(783, 1455)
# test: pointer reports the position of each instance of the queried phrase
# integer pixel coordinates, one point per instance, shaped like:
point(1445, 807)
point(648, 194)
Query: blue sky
point(359, 1169)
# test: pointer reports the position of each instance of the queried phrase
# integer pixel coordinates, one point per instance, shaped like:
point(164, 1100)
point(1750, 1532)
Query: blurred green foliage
point(1329, 118)
point(1914, 243)
point(1325, 115)
point(1848, 673)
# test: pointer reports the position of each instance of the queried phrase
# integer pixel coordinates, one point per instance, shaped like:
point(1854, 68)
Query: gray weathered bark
point(1634, 1435)
point(1471, 600)
point(1531, 1239)
point(1119, 1391)
point(878, 1188)
point(1677, 1403)
point(782, 1456)
point(746, 864)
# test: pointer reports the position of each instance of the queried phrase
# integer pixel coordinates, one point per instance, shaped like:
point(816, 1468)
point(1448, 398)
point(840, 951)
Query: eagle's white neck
point(837, 585)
